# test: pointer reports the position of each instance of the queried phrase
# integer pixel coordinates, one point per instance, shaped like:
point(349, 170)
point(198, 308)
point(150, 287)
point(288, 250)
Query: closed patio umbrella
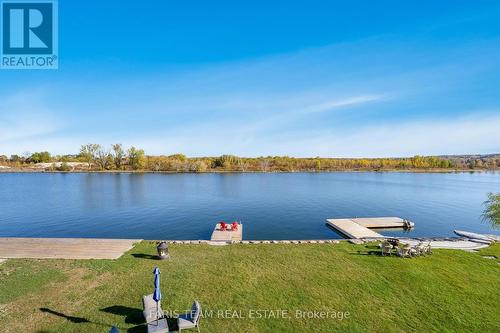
point(157, 291)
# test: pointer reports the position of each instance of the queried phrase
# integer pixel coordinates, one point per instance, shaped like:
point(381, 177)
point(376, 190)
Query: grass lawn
point(449, 291)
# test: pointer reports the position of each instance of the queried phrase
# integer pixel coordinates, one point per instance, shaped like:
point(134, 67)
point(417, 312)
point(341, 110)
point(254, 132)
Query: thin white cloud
point(296, 109)
point(342, 103)
point(466, 135)
point(474, 134)
point(25, 116)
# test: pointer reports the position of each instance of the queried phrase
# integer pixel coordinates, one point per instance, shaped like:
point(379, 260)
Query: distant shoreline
point(96, 158)
point(22, 170)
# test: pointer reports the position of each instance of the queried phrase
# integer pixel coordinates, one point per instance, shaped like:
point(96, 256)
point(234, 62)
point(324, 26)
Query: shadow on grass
point(73, 319)
point(172, 326)
point(76, 320)
point(368, 253)
point(132, 316)
point(370, 250)
point(145, 256)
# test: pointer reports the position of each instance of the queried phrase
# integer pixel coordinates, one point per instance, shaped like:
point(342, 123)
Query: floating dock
point(361, 227)
point(64, 248)
point(227, 236)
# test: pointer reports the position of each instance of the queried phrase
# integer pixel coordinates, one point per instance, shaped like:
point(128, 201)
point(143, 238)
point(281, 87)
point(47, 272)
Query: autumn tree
point(198, 166)
point(264, 164)
point(40, 157)
point(104, 159)
point(118, 155)
point(225, 161)
point(88, 153)
point(136, 158)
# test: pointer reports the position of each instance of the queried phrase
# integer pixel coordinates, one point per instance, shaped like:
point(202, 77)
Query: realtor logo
point(29, 34)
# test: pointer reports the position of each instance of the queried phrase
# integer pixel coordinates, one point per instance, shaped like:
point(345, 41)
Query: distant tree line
point(116, 157)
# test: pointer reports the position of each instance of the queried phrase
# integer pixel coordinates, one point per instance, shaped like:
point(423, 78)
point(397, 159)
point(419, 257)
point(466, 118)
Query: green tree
point(317, 163)
point(103, 159)
point(491, 211)
point(40, 157)
point(225, 161)
point(66, 158)
point(15, 158)
point(118, 154)
point(180, 157)
point(64, 167)
point(136, 158)
point(34, 158)
point(88, 153)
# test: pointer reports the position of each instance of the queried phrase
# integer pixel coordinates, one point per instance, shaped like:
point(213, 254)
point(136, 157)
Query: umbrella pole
point(157, 313)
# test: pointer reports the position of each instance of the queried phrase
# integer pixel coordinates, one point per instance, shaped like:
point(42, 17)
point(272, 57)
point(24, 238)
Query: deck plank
point(64, 248)
point(380, 222)
point(352, 229)
point(359, 227)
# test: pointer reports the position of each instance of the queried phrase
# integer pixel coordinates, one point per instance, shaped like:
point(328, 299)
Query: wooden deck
point(227, 236)
point(359, 227)
point(65, 248)
point(382, 222)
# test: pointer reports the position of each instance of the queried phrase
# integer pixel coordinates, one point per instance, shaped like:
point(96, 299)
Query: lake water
point(272, 206)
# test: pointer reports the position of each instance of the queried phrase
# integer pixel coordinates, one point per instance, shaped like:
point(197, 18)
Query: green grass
point(449, 291)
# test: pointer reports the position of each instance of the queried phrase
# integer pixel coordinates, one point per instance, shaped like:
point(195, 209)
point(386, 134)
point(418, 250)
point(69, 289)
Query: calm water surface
point(272, 206)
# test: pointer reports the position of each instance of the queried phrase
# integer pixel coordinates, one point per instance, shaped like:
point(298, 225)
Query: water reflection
point(272, 206)
point(228, 185)
point(136, 188)
point(90, 190)
point(118, 187)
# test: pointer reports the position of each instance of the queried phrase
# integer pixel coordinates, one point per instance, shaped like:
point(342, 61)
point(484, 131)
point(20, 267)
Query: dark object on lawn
point(394, 242)
point(162, 249)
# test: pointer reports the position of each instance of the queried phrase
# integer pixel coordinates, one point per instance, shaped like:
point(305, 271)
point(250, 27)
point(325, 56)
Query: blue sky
point(346, 79)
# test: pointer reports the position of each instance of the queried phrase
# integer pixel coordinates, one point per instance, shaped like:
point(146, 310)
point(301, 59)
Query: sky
point(259, 78)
